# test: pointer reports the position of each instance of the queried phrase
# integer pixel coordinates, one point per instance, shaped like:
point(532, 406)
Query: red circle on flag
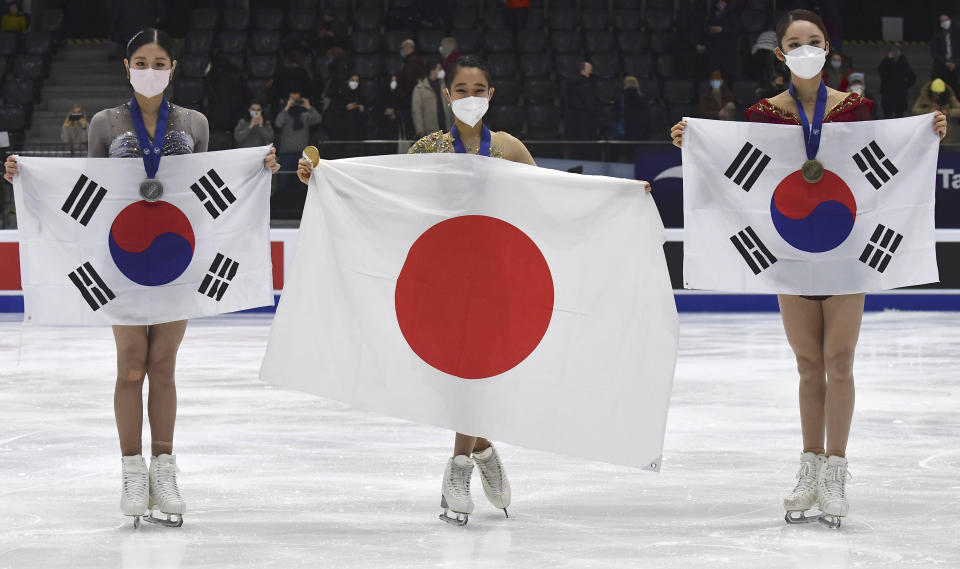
point(474, 297)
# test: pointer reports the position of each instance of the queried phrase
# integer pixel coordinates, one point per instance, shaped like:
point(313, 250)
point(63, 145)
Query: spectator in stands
point(223, 83)
point(773, 87)
point(835, 73)
point(294, 123)
point(723, 35)
point(253, 129)
point(692, 45)
point(448, 52)
point(345, 117)
point(719, 103)
point(430, 113)
point(761, 56)
point(896, 78)
point(936, 95)
point(857, 84)
point(292, 78)
point(330, 32)
point(410, 74)
point(386, 121)
point(515, 13)
point(633, 110)
point(943, 48)
point(14, 20)
point(582, 107)
point(338, 64)
point(74, 129)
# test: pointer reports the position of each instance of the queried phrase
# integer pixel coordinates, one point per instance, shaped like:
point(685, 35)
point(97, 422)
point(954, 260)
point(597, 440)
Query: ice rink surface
point(274, 478)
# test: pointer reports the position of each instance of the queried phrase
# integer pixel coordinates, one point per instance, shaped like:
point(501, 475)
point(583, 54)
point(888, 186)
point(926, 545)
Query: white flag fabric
point(93, 252)
point(496, 299)
point(753, 224)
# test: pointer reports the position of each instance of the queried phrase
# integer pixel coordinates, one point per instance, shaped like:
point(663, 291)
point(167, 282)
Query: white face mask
point(858, 89)
point(470, 109)
point(945, 24)
point(716, 83)
point(806, 61)
point(393, 85)
point(149, 82)
point(441, 74)
point(353, 85)
point(835, 64)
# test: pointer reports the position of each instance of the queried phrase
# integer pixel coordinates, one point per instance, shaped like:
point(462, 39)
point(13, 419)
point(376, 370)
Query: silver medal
point(151, 189)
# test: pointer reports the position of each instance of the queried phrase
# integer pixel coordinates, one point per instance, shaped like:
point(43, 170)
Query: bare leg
point(128, 393)
point(803, 323)
point(164, 341)
point(842, 316)
point(466, 445)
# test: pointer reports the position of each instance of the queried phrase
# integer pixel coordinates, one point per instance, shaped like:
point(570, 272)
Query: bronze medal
point(151, 189)
point(812, 171)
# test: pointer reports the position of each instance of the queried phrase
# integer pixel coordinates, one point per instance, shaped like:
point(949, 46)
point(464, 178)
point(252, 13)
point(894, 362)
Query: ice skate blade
point(800, 517)
point(506, 514)
point(832, 522)
point(136, 522)
point(460, 520)
point(172, 521)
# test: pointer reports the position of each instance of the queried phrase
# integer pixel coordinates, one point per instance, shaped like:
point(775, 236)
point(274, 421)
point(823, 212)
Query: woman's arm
point(98, 135)
point(515, 151)
point(201, 132)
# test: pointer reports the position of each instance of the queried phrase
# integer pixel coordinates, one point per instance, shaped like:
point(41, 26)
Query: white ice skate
point(494, 478)
point(136, 488)
point(832, 484)
point(455, 493)
point(164, 493)
point(804, 495)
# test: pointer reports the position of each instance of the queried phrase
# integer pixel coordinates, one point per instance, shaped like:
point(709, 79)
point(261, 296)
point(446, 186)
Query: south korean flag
point(92, 251)
point(752, 223)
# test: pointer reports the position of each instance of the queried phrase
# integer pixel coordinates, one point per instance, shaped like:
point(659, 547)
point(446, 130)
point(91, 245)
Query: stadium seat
point(301, 20)
point(539, 91)
point(199, 41)
point(4, 64)
point(628, 20)
point(638, 65)
point(50, 21)
point(605, 65)
point(233, 59)
point(332, 4)
point(745, 92)
point(665, 66)
point(468, 41)
point(366, 42)
point(595, 19)
point(599, 42)
point(265, 41)
point(662, 42)
point(506, 91)
point(562, 19)
point(220, 140)
point(594, 4)
point(535, 20)
point(498, 41)
point(563, 4)
point(188, 91)
point(633, 42)
point(369, 91)
point(677, 91)
point(608, 90)
point(536, 65)
point(503, 65)
point(262, 66)
point(392, 63)
point(428, 42)
point(659, 20)
point(369, 4)
point(506, 117)
point(368, 66)
point(754, 21)
point(630, 4)
point(13, 118)
point(236, 19)
point(193, 64)
point(259, 89)
point(367, 20)
point(543, 122)
point(493, 17)
point(660, 4)
point(268, 19)
point(532, 41)
point(204, 19)
point(8, 43)
point(232, 41)
point(465, 20)
point(39, 43)
point(29, 66)
point(567, 66)
point(393, 38)
point(566, 42)
point(19, 91)
point(758, 4)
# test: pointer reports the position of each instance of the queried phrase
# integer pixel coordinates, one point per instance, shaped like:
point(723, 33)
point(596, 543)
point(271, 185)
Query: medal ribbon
point(485, 137)
point(151, 152)
point(811, 136)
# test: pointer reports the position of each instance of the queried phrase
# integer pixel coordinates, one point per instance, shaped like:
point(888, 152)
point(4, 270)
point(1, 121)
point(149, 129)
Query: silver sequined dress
point(112, 134)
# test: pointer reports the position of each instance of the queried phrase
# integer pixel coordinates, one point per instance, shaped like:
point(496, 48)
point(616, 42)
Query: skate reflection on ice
point(477, 545)
point(153, 548)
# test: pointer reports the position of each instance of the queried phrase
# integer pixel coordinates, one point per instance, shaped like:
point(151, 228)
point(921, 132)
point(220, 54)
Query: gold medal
point(812, 171)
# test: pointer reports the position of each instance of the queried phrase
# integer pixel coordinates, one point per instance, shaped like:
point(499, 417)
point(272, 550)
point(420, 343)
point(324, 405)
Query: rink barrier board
point(943, 296)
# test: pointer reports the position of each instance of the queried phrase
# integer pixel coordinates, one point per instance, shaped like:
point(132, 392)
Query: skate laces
point(806, 477)
point(491, 469)
point(459, 480)
point(135, 484)
point(834, 478)
point(167, 483)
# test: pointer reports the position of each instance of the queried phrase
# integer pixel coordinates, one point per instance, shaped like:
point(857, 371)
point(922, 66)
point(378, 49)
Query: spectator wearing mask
point(386, 120)
point(858, 84)
point(896, 78)
point(938, 96)
point(14, 20)
point(943, 48)
point(293, 124)
point(515, 14)
point(345, 117)
point(581, 105)
point(74, 129)
point(448, 52)
point(719, 103)
point(633, 110)
point(253, 129)
point(723, 35)
point(408, 77)
point(776, 85)
point(835, 73)
point(430, 113)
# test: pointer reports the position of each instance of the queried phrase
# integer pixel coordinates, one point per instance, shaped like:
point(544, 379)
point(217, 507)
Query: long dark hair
point(147, 36)
point(467, 61)
point(795, 15)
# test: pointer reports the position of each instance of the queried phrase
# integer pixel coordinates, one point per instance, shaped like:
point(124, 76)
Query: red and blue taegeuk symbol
point(151, 243)
point(813, 217)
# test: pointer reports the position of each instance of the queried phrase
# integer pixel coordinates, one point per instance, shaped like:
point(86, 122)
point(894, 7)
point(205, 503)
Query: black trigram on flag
point(747, 166)
point(91, 286)
point(753, 251)
point(221, 272)
point(879, 251)
point(84, 200)
point(213, 193)
point(877, 168)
